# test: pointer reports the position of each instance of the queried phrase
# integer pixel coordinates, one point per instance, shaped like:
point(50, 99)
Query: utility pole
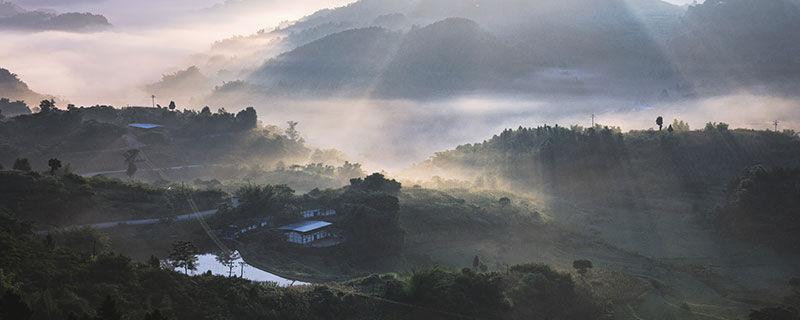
point(154, 100)
point(592, 120)
point(241, 273)
point(776, 125)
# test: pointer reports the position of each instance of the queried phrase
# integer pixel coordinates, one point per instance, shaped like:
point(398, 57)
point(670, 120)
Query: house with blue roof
point(306, 232)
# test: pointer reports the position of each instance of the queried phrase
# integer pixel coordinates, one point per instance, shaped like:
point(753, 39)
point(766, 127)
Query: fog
point(393, 134)
point(149, 38)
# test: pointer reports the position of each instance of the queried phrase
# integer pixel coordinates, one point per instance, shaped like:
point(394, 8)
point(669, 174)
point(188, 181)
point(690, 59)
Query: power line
point(192, 205)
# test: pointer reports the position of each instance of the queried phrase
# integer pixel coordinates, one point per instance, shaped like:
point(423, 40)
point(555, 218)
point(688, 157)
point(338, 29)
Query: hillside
point(43, 21)
point(350, 60)
point(13, 89)
point(610, 46)
point(8, 9)
point(94, 139)
point(448, 56)
point(602, 163)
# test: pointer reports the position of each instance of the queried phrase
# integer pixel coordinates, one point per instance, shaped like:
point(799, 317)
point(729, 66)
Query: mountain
point(741, 39)
point(180, 85)
point(602, 162)
point(12, 88)
point(450, 56)
point(343, 61)
point(42, 21)
point(629, 47)
point(8, 9)
point(454, 54)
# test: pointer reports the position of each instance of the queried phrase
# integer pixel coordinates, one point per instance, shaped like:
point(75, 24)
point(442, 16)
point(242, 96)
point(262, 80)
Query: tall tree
point(155, 315)
point(228, 259)
point(108, 310)
point(13, 307)
point(172, 105)
point(582, 266)
point(292, 132)
point(184, 255)
point(54, 165)
point(22, 164)
point(476, 262)
point(660, 123)
point(46, 106)
point(131, 157)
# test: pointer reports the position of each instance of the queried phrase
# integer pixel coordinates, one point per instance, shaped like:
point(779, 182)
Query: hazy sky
point(149, 38)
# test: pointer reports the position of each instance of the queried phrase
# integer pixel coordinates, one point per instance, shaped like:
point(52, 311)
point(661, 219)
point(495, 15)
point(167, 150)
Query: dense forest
point(96, 283)
point(762, 206)
point(577, 162)
point(93, 139)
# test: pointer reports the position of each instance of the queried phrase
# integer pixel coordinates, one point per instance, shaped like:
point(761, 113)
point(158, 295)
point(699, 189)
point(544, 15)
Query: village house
point(306, 232)
point(236, 230)
point(315, 212)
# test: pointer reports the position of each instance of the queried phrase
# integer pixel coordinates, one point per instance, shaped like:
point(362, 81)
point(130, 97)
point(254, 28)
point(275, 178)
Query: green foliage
point(370, 208)
point(775, 313)
point(582, 266)
point(13, 108)
point(13, 307)
point(184, 255)
point(763, 205)
point(71, 199)
point(22, 164)
point(54, 165)
point(619, 168)
point(376, 183)
point(680, 126)
point(262, 201)
point(529, 291)
point(504, 201)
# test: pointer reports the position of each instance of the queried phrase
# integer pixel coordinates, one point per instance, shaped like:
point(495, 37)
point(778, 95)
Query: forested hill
point(601, 161)
point(18, 96)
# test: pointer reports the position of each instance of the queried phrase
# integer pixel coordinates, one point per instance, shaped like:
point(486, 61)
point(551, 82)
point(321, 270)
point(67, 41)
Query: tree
point(131, 157)
point(680, 125)
point(46, 106)
point(108, 310)
point(660, 122)
point(13, 307)
point(476, 262)
point(504, 201)
point(22, 164)
point(582, 266)
point(247, 118)
point(292, 132)
point(172, 105)
point(670, 129)
point(54, 165)
point(154, 262)
point(228, 259)
point(155, 315)
point(184, 255)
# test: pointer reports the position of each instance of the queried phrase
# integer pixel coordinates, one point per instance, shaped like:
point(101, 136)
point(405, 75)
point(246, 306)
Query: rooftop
point(305, 226)
point(145, 125)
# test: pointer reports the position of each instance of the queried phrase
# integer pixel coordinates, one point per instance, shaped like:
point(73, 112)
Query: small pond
point(209, 261)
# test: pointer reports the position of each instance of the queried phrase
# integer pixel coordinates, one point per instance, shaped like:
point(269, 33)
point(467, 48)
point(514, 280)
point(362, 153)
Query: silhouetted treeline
point(602, 162)
point(763, 205)
point(67, 199)
point(57, 277)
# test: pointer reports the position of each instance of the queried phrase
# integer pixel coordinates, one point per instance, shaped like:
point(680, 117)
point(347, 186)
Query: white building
point(313, 213)
point(305, 232)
